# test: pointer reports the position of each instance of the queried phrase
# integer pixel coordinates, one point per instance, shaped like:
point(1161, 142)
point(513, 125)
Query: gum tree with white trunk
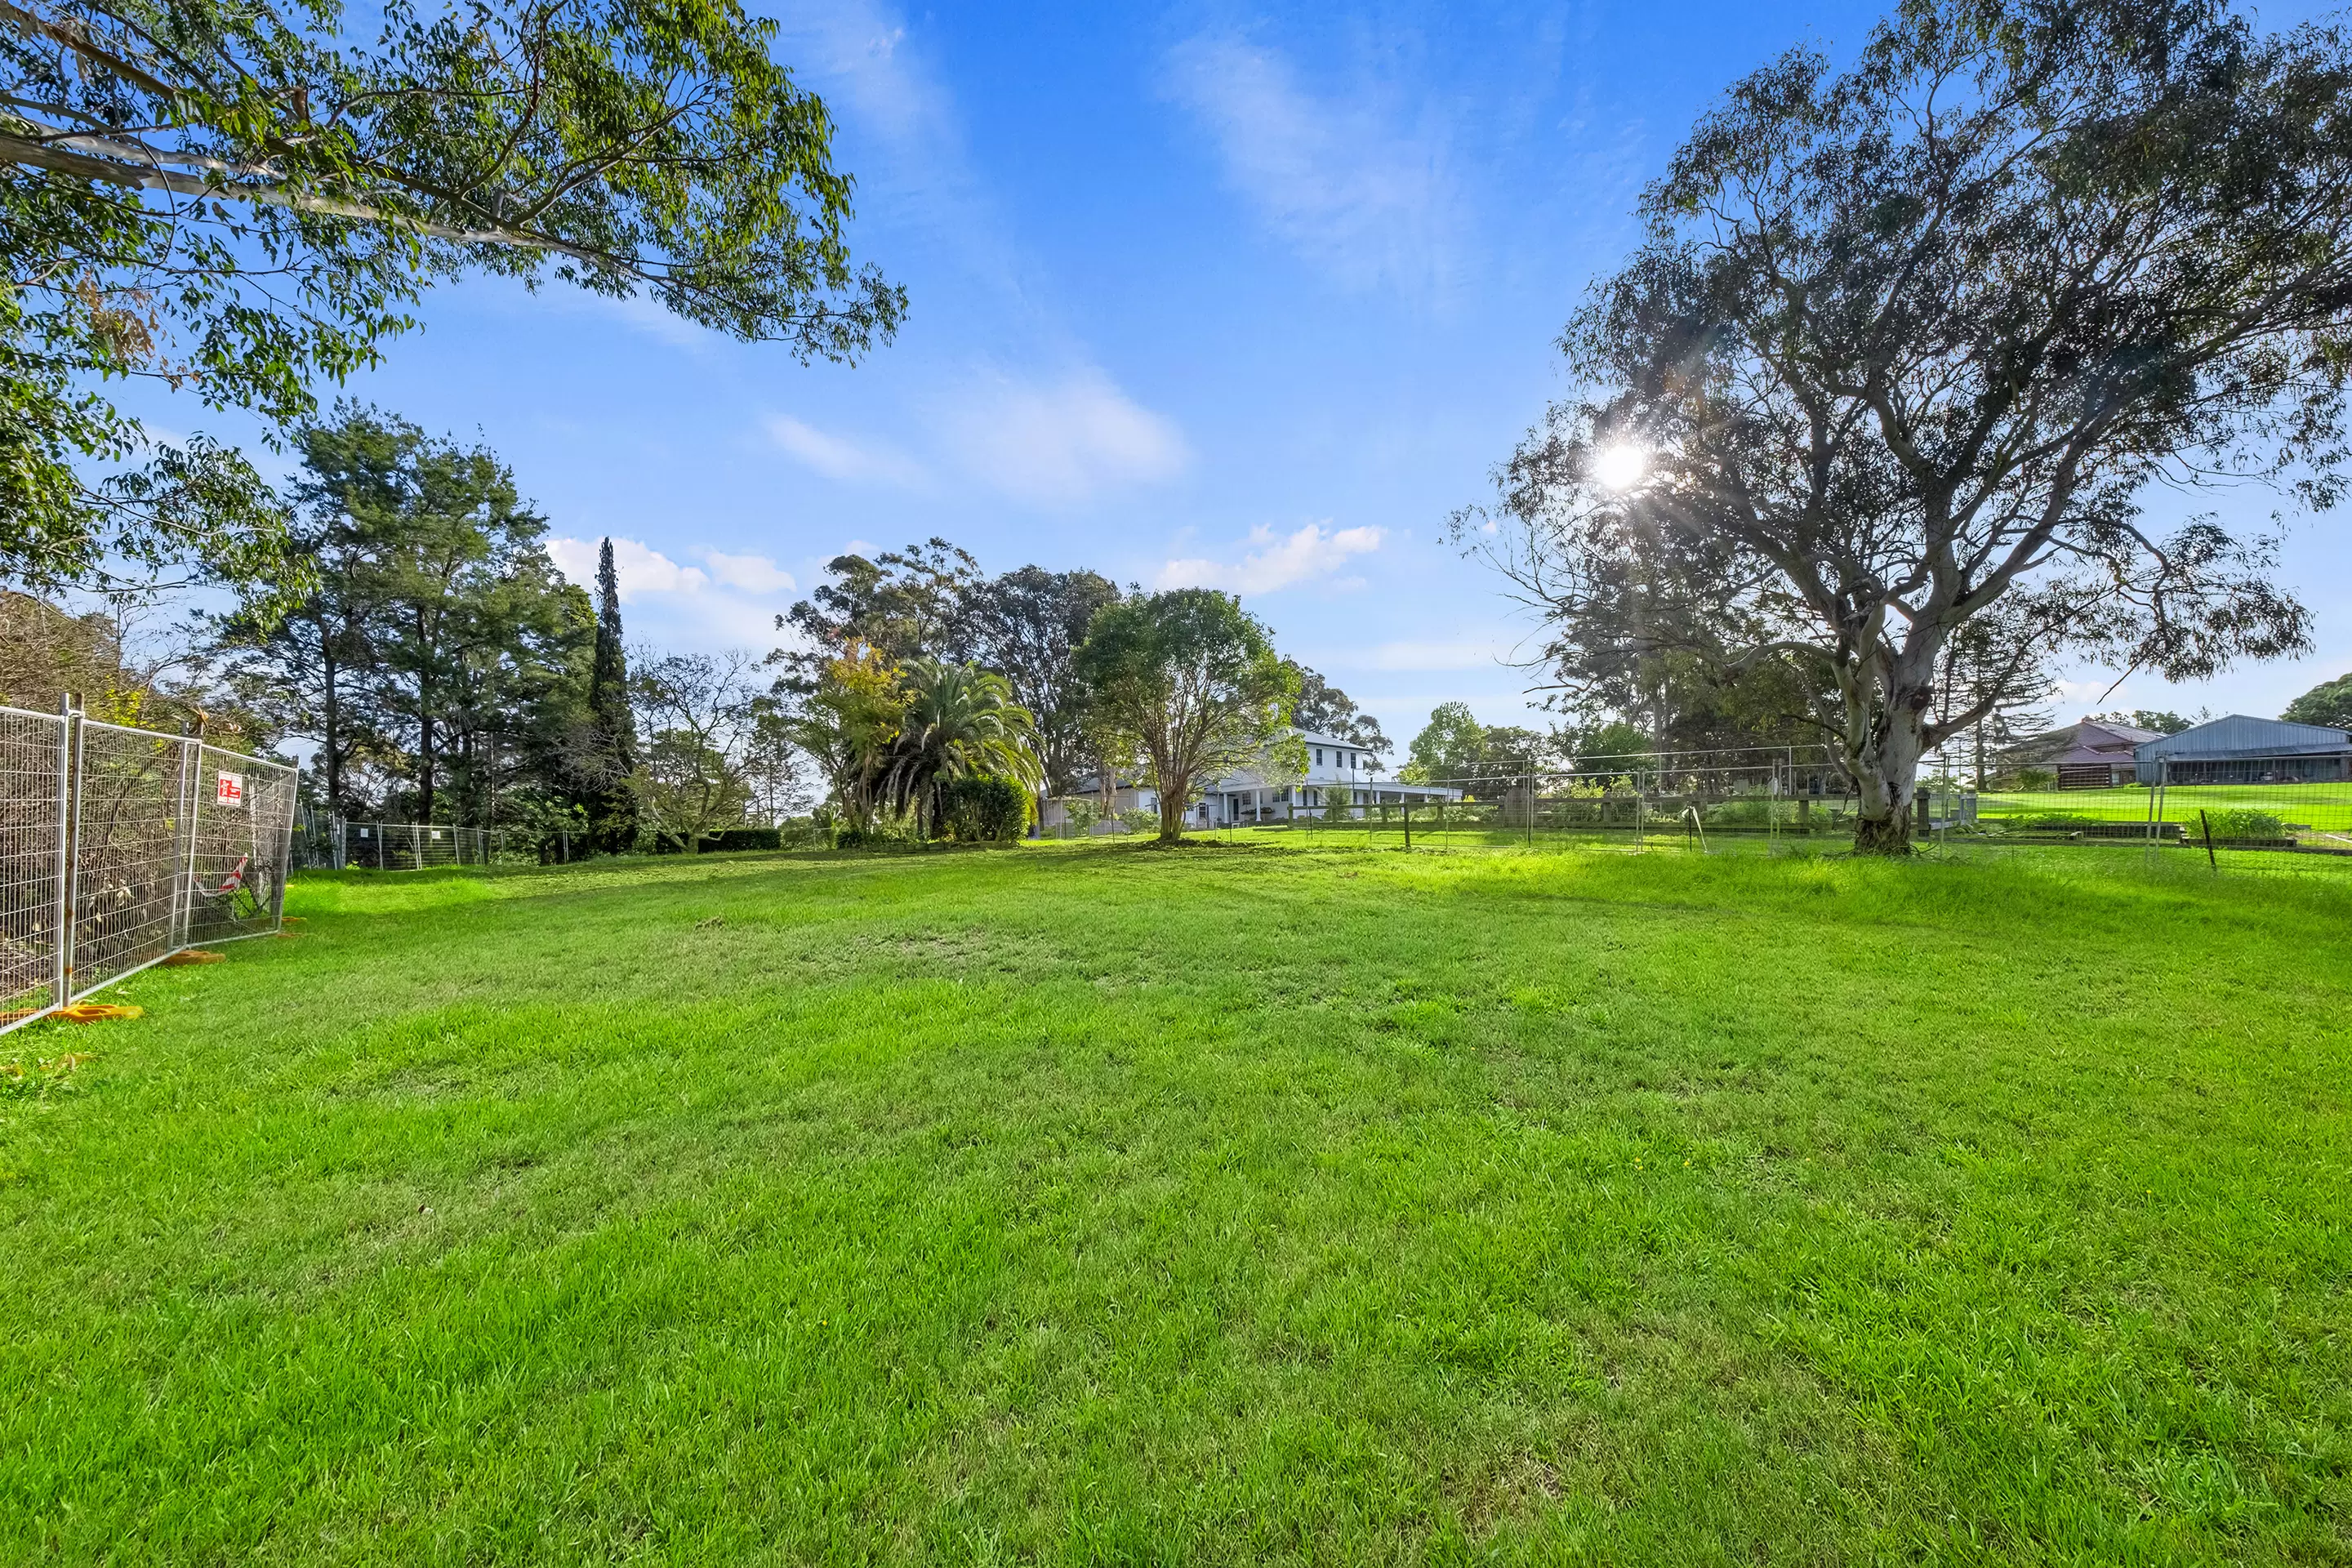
point(1906, 345)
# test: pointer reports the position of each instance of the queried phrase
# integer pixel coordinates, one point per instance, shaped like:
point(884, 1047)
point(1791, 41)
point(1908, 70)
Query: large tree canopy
point(1190, 679)
point(1906, 343)
point(242, 199)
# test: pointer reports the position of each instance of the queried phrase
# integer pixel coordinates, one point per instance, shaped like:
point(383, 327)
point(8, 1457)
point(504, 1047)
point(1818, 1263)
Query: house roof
point(2244, 736)
point(2081, 741)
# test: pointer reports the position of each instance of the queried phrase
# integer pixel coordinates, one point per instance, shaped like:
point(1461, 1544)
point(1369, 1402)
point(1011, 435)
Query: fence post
point(62, 957)
point(70, 838)
point(1408, 823)
point(196, 744)
point(186, 806)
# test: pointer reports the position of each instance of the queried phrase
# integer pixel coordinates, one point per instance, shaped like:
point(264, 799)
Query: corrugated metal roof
point(2242, 735)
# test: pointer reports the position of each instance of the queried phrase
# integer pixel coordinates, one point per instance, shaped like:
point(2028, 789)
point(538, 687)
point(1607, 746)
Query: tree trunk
point(424, 773)
point(1175, 785)
point(331, 746)
point(423, 725)
point(1172, 815)
point(1886, 773)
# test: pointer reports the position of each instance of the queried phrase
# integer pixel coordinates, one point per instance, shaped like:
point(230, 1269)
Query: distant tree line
point(447, 672)
point(914, 670)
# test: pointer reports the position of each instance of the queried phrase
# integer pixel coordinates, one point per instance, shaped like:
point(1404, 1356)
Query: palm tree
point(959, 722)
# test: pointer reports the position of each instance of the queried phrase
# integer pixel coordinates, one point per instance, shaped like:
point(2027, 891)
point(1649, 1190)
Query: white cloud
point(1356, 194)
point(641, 569)
point(1061, 442)
point(752, 574)
point(733, 605)
point(1309, 553)
point(858, 54)
point(839, 458)
point(1460, 653)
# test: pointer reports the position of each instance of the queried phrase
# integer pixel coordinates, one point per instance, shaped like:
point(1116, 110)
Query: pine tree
point(612, 809)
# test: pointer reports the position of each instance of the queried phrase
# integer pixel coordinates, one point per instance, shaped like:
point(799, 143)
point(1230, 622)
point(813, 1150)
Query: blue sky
point(1252, 299)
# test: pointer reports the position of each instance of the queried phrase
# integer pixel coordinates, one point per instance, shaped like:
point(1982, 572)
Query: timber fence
point(121, 846)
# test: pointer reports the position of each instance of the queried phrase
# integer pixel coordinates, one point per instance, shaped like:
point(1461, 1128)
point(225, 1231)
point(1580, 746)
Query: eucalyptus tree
point(1026, 626)
point(2328, 704)
point(1906, 343)
point(1190, 680)
point(1324, 709)
point(242, 200)
point(847, 720)
point(904, 604)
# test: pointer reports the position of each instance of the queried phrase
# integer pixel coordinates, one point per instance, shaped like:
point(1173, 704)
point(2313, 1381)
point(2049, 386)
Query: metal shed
point(2241, 749)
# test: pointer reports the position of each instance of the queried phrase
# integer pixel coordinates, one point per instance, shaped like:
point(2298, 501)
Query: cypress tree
point(613, 809)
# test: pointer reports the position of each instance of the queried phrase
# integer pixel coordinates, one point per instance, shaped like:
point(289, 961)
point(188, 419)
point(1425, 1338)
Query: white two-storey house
point(1339, 772)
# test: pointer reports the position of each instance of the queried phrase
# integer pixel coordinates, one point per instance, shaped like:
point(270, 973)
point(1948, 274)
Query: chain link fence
point(121, 846)
point(2266, 815)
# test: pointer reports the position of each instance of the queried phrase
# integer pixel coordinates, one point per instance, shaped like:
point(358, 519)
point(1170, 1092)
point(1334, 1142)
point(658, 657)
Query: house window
point(1318, 756)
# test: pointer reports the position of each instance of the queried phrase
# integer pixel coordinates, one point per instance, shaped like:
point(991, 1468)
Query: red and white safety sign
point(231, 792)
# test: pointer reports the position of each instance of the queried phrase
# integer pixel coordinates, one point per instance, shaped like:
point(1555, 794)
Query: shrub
point(2245, 822)
point(2032, 779)
point(984, 810)
point(742, 838)
point(1756, 811)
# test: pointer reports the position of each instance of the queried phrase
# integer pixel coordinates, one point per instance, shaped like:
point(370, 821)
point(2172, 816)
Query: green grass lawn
point(1091, 1203)
point(2323, 807)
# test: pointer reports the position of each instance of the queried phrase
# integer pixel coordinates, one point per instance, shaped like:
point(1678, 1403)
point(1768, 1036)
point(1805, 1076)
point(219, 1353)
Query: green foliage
point(2328, 704)
point(2243, 823)
point(1907, 338)
point(1454, 748)
point(959, 723)
point(1190, 681)
point(728, 839)
point(2156, 719)
point(436, 647)
point(604, 750)
point(847, 718)
point(698, 716)
point(1324, 709)
point(1607, 751)
point(1026, 626)
point(979, 809)
point(904, 604)
point(244, 202)
point(1450, 746)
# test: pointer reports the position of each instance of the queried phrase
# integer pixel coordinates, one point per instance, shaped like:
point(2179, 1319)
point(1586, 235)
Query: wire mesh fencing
point(2259, 815)
point(120, 846)
point(34, 800)
point(334, 842)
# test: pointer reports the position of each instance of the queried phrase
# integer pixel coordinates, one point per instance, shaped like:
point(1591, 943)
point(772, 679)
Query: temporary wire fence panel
point(240, 851)
point(120, 846)
point(130, 833)
point(33, 805)
point(412, 846)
